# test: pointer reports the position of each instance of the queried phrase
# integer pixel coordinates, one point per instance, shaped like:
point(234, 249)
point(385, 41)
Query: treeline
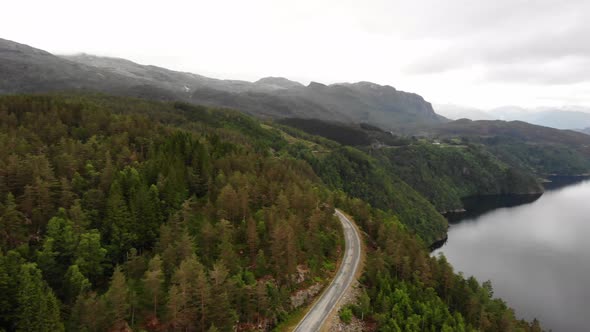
point(408, 290)
point(112, 220)
point(363, 134)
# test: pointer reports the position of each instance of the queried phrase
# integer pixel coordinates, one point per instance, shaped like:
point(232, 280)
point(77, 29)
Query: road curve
point(316, 317)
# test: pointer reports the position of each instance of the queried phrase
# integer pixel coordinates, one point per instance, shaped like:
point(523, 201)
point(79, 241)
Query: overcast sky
point(466, 52)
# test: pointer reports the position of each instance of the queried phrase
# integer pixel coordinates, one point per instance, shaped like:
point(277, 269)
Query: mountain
point(277, 83)
point(555, 118)
point(27, 69)
point(278, 97)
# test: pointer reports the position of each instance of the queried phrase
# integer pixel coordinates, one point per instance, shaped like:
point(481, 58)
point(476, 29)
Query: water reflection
point(536, 254)
point(477, 206)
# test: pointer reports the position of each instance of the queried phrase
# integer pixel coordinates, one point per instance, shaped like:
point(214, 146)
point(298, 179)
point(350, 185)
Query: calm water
point(537, 254)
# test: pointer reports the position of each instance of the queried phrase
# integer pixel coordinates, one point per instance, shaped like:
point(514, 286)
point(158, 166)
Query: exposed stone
point(303, 296)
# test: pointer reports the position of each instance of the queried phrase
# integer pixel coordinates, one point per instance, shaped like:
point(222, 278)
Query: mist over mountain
point(571, 117)
point(27, 69)
point(456, 112)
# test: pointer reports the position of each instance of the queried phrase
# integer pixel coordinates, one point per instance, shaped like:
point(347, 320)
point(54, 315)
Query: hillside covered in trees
point(121, 213)
point(536, 149)
point(111, 220)
point(444, 174)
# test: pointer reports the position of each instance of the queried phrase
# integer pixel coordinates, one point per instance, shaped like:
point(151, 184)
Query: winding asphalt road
point(317, 315)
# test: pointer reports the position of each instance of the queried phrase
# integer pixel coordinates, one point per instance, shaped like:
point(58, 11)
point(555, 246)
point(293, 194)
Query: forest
point(125, 214)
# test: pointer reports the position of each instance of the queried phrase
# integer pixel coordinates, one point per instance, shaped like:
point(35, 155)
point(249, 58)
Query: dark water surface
point(536, 254)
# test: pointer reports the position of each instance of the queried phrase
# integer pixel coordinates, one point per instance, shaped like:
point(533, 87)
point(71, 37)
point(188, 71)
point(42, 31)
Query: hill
point(448, 173)
point(559, 118)
point(541, 150)
point(443, 173)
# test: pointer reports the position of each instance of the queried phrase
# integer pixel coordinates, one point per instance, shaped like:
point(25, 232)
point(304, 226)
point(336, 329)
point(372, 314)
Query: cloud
point(460, 51)
point(543, 42)
point(568, 70)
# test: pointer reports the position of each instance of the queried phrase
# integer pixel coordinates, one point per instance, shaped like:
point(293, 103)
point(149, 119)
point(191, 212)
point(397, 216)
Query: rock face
point(304, 296)
point(24, 69)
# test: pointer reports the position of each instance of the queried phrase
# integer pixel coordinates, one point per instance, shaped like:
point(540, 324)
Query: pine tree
point(117, 298)
point(12, 224)
point(252, 240)
point(90, 256)
point(66, 195)
point(75, 283)
point(84, 314)
point(153, 282)
point(78, 217)
point(118, 226)
point(108, 173)
point(183, 301)
point(223, 316)
point(203, 293)
point(10, 265)
point(38, 308)
point(228, 204)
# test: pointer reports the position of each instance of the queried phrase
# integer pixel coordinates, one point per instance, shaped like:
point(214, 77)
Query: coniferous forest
point(126, 214)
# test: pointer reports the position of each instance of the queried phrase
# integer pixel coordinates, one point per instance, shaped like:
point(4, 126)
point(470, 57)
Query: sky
point(482, 54)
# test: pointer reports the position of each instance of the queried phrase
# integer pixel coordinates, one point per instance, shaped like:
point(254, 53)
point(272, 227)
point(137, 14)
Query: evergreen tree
point(12, 224)
point(75, 283)
point(118, 226)
point(38, 308)
point(90, 256)
point(153, 282)
point(117, 299)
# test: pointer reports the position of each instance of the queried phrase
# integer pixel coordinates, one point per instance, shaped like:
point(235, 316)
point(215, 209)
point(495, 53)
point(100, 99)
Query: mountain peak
point(315, 85)
point(278, 82)
point(371, 85)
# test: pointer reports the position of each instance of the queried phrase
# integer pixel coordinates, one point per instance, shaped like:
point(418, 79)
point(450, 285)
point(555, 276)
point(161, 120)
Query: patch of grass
point(345, 315)
point(329, 266)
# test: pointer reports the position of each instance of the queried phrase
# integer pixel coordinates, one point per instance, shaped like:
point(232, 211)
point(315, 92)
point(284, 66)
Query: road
point(317, 315)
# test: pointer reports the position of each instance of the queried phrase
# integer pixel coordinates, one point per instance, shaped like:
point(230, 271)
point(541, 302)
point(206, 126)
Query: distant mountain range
point(575, 118)
point(24, 69)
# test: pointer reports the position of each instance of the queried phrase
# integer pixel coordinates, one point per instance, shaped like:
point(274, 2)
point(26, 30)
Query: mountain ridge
point(38, 71)
point(569, 117)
